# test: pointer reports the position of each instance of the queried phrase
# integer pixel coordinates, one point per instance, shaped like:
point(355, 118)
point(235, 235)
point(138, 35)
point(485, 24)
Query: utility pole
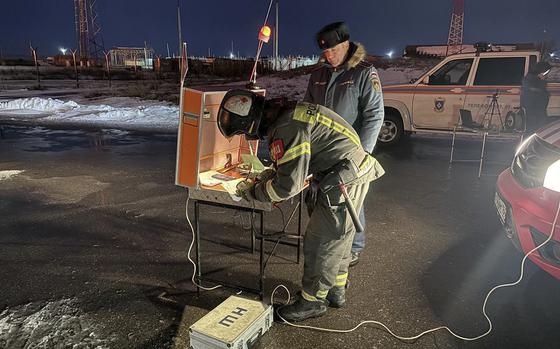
point(108, 66)
point(275, 42)
point(145, 54)
point(168, 54)
point(179, 30)
point(76, 67)
point(34, 54)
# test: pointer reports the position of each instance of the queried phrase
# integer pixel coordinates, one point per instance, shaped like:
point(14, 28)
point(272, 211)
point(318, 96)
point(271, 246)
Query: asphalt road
point(93, 242)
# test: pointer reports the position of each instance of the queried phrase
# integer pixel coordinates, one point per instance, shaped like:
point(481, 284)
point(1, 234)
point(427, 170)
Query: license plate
point(500, 207)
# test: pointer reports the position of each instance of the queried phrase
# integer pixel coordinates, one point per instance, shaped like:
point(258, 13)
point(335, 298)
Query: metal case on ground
point(237, 323)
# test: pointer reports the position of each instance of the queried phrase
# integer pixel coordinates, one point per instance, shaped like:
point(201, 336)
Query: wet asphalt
point(96, 217)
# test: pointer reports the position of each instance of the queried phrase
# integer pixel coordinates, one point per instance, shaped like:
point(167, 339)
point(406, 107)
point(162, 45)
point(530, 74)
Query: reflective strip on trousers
point(308, 297)
point(341, 279)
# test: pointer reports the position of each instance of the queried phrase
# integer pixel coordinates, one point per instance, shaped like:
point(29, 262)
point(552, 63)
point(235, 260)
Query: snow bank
point(158, 115)
point(38, 104)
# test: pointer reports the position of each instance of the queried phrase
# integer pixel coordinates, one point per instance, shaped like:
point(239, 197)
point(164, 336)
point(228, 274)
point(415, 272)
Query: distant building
point(63, 60)
point(132, 57)
point(442, 51)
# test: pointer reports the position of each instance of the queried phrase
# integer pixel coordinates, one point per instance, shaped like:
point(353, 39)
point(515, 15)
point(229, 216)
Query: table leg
point(261, 280)
point(253, 238)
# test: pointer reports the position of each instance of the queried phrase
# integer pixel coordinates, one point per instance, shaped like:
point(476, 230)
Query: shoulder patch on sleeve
point(365, 64)
point(276, 150)
point(375, 82)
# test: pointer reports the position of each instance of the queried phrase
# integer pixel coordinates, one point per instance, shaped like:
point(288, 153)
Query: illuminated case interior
point(200, 145)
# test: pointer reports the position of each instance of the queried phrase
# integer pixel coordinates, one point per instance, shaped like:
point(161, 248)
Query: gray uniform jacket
point(353, 91)
point(311, 139)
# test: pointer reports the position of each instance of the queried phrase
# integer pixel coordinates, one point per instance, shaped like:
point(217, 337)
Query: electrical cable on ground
point(402, 338)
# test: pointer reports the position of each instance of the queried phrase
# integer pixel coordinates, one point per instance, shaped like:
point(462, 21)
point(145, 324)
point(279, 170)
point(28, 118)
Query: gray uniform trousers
point(328, 241)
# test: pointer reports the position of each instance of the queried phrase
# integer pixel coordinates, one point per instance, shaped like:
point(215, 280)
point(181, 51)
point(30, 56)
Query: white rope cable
point(190, 249)
point(385, 327)
point(268, 12)
point(437, 328)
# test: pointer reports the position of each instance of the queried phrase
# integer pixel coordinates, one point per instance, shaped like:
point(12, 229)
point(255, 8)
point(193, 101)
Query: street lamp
point(390, 54)
point(63, 51)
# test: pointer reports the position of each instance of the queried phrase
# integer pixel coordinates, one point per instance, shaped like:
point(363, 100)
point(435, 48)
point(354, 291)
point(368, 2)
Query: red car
point(528, 195)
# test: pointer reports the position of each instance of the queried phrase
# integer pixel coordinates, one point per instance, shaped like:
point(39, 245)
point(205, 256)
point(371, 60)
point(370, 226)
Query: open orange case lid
point(200, 145)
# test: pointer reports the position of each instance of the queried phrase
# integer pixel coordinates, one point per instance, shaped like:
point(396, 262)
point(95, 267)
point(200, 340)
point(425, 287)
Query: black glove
point(246, 190)
point(266, 175)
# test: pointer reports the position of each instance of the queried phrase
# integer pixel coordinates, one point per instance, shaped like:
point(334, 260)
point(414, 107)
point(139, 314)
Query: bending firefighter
point(307, 139)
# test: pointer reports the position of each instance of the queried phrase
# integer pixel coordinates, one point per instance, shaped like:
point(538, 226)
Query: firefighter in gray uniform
point(308, 139)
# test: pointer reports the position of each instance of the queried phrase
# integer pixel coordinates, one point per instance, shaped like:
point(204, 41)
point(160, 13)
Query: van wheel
point(391, 131)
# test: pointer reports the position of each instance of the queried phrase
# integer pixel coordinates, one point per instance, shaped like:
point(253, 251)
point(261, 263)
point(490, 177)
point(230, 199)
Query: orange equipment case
point(200, 145)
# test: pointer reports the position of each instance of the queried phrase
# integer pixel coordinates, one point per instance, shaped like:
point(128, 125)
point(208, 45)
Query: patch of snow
point(57, 324)
point(38, 104)
point(7, 174)
point(294, 88)
point(395, 76)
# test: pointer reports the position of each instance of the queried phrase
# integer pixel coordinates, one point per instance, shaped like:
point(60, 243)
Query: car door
point(436, 103)
point(496, 78)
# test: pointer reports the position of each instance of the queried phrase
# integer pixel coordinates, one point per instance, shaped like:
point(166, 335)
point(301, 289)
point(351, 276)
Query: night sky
point(380, 25)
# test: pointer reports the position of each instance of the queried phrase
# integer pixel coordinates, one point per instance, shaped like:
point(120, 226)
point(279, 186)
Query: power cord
point(193, 278)
point(402, 338)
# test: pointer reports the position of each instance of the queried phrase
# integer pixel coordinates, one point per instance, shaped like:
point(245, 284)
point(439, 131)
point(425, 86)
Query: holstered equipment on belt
point(311, 196)
point(336, 178)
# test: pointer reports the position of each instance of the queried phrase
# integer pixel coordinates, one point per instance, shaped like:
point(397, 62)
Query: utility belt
point(333, 182)
point(348, 171)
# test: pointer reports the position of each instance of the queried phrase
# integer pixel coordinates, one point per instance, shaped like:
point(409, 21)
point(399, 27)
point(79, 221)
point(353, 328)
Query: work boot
point(303, 309)
point(337, 297)
point(355, 259)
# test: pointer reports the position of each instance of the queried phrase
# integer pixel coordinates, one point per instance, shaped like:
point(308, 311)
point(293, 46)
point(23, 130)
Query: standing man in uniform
point(308, 139)
point(348, 85)
point(535, 96)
